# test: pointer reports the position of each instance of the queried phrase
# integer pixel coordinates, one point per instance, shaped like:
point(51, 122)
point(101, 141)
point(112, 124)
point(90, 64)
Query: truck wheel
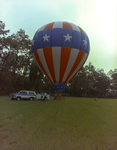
point(31, 98)
point(18, 98)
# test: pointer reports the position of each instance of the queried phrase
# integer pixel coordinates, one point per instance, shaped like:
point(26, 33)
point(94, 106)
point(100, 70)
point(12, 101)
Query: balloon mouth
point(58, 87)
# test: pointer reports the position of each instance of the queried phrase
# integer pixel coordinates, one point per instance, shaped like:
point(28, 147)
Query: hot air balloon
point(60, 50)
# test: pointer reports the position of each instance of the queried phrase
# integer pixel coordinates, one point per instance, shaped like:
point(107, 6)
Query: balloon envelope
point(60, 49)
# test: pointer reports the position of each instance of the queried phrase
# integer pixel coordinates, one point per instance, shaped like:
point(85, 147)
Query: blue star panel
point(56, 38)
point(58, 87)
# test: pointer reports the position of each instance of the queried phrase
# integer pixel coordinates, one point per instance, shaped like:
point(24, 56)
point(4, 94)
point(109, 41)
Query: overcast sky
point(98, 18)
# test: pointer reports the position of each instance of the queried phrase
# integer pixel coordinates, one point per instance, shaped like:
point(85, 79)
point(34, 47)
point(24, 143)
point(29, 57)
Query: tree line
point(18, 71)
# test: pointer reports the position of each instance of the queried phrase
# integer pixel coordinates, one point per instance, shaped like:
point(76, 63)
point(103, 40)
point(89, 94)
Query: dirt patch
point(13, 143)
point(3, 142)
point(8, 120)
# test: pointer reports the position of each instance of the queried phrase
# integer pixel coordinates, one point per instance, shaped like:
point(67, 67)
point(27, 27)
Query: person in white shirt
point(42, 96)
point(45, 96)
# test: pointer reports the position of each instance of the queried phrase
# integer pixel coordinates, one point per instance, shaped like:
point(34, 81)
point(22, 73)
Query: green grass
point(70, 124)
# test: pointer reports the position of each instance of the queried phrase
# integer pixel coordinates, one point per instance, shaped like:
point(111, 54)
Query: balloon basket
point(57, 97)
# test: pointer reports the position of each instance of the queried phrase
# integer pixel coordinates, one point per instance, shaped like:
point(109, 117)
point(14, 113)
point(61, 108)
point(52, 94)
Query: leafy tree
point(4, 74)
point(20, 46)
point(3, 38)
point(36, 78)
point(102, 83)
point(78, 84)
point(89, 82)
point(15, 57)
point(3, 43)
point(19, 55)
point(113, 75)
point(90, 79)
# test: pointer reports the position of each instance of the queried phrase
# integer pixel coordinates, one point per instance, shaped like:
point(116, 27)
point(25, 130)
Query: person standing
point(45, 96)
point(41, 95)
point(48, 97)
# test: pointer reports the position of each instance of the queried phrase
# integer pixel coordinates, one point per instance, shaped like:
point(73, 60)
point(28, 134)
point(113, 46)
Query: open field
point(70, 124)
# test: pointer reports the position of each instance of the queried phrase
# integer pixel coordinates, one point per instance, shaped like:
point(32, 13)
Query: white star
point(67, 37)
point(45, 37)
point(85, 43)
point(33, 42)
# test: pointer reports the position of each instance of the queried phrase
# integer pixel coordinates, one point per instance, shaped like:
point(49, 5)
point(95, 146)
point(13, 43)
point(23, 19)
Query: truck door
point(25, 95)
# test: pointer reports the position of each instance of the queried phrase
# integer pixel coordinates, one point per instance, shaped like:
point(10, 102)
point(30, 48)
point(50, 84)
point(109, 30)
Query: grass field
point(70, 124)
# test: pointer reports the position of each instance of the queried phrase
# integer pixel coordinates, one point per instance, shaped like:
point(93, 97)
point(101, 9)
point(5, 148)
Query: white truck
point(23, 94)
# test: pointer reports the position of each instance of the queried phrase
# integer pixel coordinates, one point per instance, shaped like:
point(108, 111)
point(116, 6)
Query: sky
point(98, 18)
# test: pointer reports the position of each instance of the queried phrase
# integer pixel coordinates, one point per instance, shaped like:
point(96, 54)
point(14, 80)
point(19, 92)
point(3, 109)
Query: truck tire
point(18, 98)
point(31, 98)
